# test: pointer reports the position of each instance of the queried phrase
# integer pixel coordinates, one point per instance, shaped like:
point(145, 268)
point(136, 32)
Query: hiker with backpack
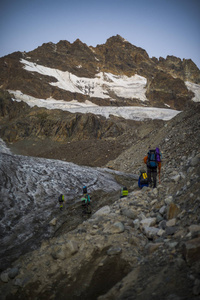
point(143, 179)
point(86, 201)
point(61, 201)
point(124, 192)
point(153, 162)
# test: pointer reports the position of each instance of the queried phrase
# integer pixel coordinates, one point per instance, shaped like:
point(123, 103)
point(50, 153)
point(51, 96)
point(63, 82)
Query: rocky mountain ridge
point(165, 77)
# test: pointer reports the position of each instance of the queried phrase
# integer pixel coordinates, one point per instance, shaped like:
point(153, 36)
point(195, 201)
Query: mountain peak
point(116, 38)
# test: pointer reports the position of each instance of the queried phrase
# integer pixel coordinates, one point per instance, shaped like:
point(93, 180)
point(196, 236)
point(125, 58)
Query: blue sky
point(161, 27)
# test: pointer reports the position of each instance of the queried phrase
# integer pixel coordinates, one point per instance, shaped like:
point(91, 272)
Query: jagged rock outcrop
point(184, 69)
point(118, 56)
point(54, 124)
point(166, 90)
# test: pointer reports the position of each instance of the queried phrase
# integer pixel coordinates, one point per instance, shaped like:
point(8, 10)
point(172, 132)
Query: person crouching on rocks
point(61, 201)
point(124, 192)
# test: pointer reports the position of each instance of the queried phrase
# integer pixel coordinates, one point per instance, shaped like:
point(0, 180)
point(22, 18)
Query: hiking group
point(147, 178)
point(153, 161)
point(85, 201)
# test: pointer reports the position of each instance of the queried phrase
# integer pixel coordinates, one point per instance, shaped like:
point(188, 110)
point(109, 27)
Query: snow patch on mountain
point(195, 88)
point(133, 87)
point(127, 112)
point(4, 148)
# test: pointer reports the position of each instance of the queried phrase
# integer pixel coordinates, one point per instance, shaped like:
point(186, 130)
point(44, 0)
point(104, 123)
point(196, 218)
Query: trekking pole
point(159, 177)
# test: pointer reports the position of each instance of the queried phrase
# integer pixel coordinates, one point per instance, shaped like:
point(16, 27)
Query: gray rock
point(136, 223)
point(159, 218)
point(170, 230)
point(150, 232)
point(163, 210)
point(196, 288)
point(168, 200)
point(148, 222)
point(4, 277)
point(117, 227)
point(195, 161)
point(162, 224)
point(129, 213)
point(13, 273)
point(102, 211)
point(53, 222)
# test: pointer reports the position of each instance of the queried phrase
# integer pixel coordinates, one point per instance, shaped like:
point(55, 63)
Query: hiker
point(86, 201)
point(124, 192)
point(61, 201)
point(143, 179)
point(153, 162)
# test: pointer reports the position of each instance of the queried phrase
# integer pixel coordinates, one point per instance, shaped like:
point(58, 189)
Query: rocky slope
point(145, 246)
point(84, 139)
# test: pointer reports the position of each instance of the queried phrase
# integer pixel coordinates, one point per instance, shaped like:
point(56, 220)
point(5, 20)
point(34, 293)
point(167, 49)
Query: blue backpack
point(152, 159)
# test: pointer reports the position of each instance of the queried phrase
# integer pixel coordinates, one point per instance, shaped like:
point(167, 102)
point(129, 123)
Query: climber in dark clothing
point(153, 162)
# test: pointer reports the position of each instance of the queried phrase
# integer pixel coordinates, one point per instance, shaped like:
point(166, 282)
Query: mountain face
point(117, 57)
point(144, 246)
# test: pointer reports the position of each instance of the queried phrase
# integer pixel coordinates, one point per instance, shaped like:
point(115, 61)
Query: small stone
point(196, 288)
point(171, 222)
point(168, 200)
point(119, 227)
point(136, 223)
point(72, 247)
point(170, 230)
point(129, 213)
point(172, 211)
point(148, 222)
point(159, 218)
point(13, 273)
point(4, 277)
point(155, 191)
point(114, 251)
point(176, 178)
point(162, 224)
point(191, 250)
point(195, 161)
point(163, 210)
point(105, 210)
point(161, 232)
point(53, 222)
point(194, 228)
point(152, 247)
point(150, 232)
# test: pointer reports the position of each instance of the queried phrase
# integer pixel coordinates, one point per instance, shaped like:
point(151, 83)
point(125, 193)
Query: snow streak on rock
point(127, 112)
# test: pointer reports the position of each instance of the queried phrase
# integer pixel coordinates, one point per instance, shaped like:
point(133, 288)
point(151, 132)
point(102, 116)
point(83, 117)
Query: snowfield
point(127, 112)
point(122, 86)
